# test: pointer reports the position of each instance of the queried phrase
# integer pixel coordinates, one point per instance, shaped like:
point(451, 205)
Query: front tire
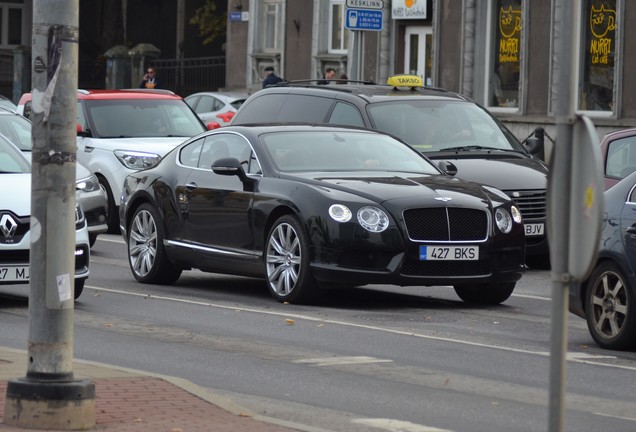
point(485, 294)
point(146, 254)
point(610, 308)
point(289, 277)
point(79, 288)
point(112, 217)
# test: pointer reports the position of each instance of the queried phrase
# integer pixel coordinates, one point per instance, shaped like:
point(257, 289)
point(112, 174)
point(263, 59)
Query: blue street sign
point(364, 19)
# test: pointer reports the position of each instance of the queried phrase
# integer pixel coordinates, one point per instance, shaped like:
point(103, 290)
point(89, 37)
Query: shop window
point(504, 88)
point(338, 34)
point(598, 52)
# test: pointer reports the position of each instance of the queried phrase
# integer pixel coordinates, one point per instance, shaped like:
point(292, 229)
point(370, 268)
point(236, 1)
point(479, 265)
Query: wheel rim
point(142, 243)
point(284, 257)
point(609, 306)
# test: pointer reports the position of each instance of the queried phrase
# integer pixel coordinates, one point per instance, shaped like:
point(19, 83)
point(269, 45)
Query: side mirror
point(535, 144)
point(230, 167)
point(447, 167)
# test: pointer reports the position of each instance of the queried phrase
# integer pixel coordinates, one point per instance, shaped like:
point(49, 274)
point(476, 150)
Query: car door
point(217, 207)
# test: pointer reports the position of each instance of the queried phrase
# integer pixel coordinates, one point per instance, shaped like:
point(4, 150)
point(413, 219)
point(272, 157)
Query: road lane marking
point(573, 359)
point(396, 425)
point(337, 361)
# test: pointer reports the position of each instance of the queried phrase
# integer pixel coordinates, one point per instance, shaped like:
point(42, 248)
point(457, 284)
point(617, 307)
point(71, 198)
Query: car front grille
point(414, 267)
point(531, 204)
point(446, 224)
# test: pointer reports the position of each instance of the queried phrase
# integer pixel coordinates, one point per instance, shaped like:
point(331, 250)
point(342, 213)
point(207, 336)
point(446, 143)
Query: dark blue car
point(606, 299)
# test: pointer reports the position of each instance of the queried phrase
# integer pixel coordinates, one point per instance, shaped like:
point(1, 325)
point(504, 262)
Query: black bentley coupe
point(315, 207)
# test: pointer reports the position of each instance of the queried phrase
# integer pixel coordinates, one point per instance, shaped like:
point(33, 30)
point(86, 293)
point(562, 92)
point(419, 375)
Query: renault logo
point(8, 226)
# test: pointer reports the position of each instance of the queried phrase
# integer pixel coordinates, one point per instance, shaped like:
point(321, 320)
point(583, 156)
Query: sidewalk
point(133, 401)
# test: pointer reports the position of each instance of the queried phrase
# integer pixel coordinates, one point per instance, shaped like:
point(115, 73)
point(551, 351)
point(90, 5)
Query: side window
point(261, 109)
point(621, 157)
point(219, 146)
point(205, 105)
point(346, 114)
point(304, 108)
point(189, 155)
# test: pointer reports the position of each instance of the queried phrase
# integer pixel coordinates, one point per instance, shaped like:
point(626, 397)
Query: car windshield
point(11, 159)
point(140, 118)
point(342, 151)
point(439, 125)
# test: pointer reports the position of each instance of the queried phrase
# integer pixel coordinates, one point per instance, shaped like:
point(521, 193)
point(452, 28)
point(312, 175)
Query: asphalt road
point(366, 359)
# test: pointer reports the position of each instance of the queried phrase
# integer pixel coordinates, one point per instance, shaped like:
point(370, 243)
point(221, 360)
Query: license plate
point(534, 229)
point(449, 253)
point(14, 273)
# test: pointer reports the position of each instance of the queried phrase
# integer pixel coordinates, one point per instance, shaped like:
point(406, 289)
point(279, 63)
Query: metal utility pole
point(49, 397)
point(575, 203)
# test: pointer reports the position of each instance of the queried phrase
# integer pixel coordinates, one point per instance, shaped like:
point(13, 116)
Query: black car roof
point(364, 89)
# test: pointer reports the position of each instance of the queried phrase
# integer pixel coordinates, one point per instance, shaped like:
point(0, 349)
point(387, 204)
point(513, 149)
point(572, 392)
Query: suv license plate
point(449, 253)
point(535, 229)
point(14, 273)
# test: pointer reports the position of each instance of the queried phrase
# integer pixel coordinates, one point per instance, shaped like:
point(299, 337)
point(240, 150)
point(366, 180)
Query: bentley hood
point(418, 188)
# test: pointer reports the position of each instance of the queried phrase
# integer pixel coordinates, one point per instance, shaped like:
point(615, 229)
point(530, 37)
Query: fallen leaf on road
point(290, 321)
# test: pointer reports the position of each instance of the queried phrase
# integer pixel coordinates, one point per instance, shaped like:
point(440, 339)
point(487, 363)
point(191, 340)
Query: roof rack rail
point(321, 81)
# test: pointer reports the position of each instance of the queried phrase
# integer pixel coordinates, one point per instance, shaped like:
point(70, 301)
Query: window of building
point(272, 11)
point(597, 55)
point(504, 82)
point(11, 16)
point(338, 34)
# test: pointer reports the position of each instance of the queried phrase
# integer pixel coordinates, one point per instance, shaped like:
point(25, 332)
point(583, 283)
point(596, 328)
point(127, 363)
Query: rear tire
point(147, 256)
point(485, 294)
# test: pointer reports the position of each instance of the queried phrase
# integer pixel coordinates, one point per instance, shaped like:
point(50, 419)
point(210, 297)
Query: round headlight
point(373, 219)
point(340, 213)
point(516, 214)
point(503, 220)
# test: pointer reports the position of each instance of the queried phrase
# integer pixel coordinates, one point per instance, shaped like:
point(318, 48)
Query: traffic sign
point(365, 4)
point(364, 19)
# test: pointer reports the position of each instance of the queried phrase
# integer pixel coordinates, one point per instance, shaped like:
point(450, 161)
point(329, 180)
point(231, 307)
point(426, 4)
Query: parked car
point(15, 219)
point(618, 151)
point(216, 107)
point(441, 124)
point(90, 194)
point(122, 131)
point(308, 207)
point(607, 299)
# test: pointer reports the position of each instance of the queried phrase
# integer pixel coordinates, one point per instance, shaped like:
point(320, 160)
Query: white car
point(123, 131)
point(216, 107)
point(90, 194)
point(15, 219)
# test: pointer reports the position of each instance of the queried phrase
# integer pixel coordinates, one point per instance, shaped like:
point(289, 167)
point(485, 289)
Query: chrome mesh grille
point(446, 224)
point(531, 203)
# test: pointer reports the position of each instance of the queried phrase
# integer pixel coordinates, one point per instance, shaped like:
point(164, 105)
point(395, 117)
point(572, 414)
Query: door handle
point(191, 186)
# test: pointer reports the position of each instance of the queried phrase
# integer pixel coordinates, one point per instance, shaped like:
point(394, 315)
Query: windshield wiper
point(477, 147)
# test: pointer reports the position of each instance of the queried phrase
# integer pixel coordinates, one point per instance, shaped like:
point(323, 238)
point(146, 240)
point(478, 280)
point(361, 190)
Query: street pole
point(560, 186)
point(49, 397)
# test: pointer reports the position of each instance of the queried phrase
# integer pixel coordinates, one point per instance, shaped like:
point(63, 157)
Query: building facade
point(501, 53)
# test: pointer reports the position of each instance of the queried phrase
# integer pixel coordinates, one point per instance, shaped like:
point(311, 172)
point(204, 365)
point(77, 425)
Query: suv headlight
point(137, 160)
point(79, 216)
point(88, 184)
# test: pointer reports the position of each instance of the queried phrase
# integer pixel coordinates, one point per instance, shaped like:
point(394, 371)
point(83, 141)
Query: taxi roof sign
point(405, 81)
